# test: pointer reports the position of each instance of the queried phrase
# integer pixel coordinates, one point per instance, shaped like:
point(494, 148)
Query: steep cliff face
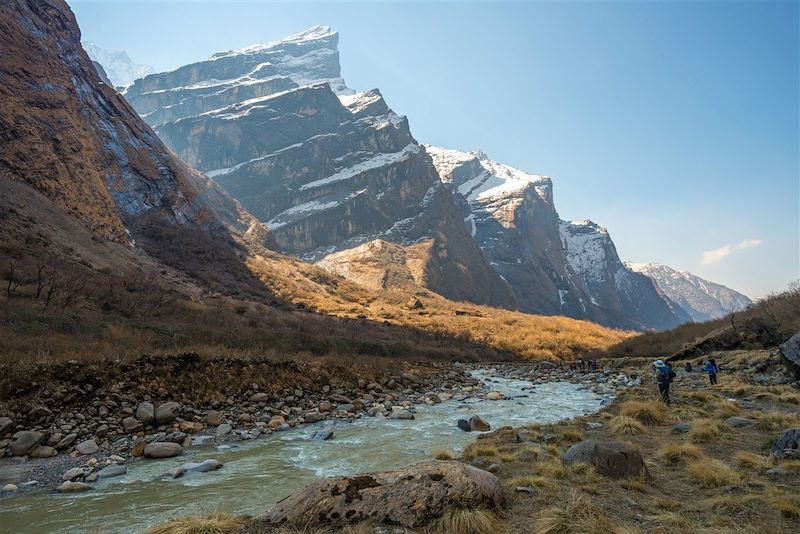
point(119, 68)
point(71, 137)
point(701, 299)
point(326, 169)
point(553, 266)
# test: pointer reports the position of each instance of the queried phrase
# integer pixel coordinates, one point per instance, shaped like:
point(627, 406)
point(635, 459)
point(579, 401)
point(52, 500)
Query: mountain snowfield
point(701, 299)
point(339, 179)
point(118, 66)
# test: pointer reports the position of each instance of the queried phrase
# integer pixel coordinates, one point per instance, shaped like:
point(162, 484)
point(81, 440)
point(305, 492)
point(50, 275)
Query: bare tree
point(73, 291)
point(12, 277)
point(40, 279)
point(52, 287)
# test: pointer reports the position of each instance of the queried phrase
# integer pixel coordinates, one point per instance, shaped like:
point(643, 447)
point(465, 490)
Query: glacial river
point(260, 472)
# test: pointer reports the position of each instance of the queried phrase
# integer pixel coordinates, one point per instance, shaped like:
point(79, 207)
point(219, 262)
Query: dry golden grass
point(465, 521)
point(442, 454)
point(531, 481)
point(775, 420)
point(785, 502)
point(673, 453)
point(634, 484)
point(725, 408)
point(575, 514)
point(571, 436)
point(735, 504)
point(710, 472)
point(623, 425)
point(704, 430)
point(649, 412)
point(477, 449)
point(751, 460)
point(214, 523)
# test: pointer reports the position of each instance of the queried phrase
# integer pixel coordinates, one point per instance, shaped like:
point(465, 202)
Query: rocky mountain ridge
point(120, 69)
point(701, 299)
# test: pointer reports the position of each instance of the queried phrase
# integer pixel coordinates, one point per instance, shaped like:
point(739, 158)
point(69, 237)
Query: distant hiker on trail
point(664, 376)
point(711, 368)
point(688, 367)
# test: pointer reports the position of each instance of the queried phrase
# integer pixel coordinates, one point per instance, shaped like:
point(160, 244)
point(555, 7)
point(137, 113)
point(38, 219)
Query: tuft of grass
point(551, 468)
point(577, 513)
point(572, 436)
point(725, 408)
point(788, 504)
point(673, 453)
point(442, 454)
point(751, 460)
point(624, 425)
point(712, 473)
point(665, 503)
point(774, 420)
point(531, 481)
point(704, 430)
point(213, 523)
point(648, 412)
point(466, 521)
point(634, 484)
point(746, 504)
point(477, 449)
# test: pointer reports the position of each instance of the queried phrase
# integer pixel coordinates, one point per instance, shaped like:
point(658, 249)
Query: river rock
point(202, 467)
point(614, 460)
point(112, 471)
point(72, 474)
point(681, 428)
point(66, 441)
point(276, 421)
point(24, 441)
point(324, 435)
point(138, 448)
point(788, 440)
point(9, 488)
point(167, 412)
point(339, 399)
point(145, 413)
point(477, 424)
point(494, 395)
point(259, 397)
point(345, 408)
point(214, 418)
point(463, 424)
point(401, 414)
point(73, 487)
point(223, 429)
point(42, 451)
point(87, 447)
point(131, 424)
point(162, 449)
point(325, 406)
point(737, 422)
point(410, 496)
point(790, 354)
point(6, 424)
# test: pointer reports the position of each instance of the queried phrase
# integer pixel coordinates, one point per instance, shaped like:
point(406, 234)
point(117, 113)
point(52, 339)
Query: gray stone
point(614, 460)
point(72, 474)
point(145, 413)
point(788, 440)
point(325, 406)
point(132, 424)
point(73, 487)
point(202, 467)
point(345, 408)
point(259, 397)
point(66, 441)
point(112, 471)
point(87, 447)
point(477, 424)
point(737, 422)
point(24, 441)
point(463, 424)
point(324, 435)
point(790, 354)
point(6, 425)
point(42, 451)
point(162, 449)
point(409, 497)
point(223, 429)
point(167, 412)
point(401, 414)
point(214, 418)
point(682, 428)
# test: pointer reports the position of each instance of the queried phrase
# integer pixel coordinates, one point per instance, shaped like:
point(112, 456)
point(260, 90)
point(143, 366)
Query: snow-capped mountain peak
point(701, 299)
point(319, 35)
point(118, 66)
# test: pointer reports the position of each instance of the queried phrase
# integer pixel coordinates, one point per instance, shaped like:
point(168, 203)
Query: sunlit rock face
point(325, 168)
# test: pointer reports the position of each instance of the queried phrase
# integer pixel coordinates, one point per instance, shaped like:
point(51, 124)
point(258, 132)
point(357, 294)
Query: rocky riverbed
point(71, 448)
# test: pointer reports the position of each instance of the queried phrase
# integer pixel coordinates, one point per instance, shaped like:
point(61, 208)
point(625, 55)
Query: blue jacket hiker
point(664, 377)
point(711, 368)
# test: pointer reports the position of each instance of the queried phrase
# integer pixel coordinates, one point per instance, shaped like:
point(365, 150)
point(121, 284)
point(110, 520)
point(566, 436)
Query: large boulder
point(790, 354)
point(24, 441)
point(410, 496)
point(477, 424)
point(614, 460)
point(167, 412)
point(87, 447)
point(6, 424)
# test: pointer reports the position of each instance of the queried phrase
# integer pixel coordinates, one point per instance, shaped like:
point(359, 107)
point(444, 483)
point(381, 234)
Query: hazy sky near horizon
point(676, 125)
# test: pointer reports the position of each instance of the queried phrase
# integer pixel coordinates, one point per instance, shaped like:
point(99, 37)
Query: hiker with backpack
point(711, 368)
point(664, 376)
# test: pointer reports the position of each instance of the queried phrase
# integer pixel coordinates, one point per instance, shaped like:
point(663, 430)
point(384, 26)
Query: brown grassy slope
point(767, 323)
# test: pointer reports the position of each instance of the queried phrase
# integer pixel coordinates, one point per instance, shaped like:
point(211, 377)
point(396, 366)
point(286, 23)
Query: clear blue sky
point(675, 125)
